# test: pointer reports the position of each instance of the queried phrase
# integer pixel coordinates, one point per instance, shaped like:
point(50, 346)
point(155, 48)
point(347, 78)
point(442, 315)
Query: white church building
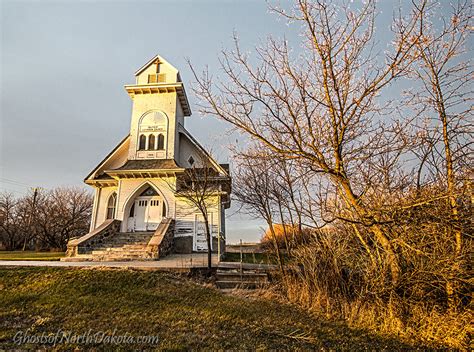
point(137, 213)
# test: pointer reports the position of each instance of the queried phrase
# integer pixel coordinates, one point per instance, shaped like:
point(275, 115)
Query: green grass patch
point(184, 315)
point(30, 255)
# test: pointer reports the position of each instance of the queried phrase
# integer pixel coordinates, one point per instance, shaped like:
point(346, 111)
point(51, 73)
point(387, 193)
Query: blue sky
point(64, 65)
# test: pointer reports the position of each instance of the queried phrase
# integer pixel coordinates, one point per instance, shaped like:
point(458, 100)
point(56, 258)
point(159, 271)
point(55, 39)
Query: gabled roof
point(107, 158)
point(188, 135)
point(150, 62)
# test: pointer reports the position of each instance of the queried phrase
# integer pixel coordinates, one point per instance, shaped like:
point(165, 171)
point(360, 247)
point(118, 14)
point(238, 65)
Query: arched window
point(161, 142)
point(111, 206)
point(153, 125)
point(151, 142)
point(164, 210)
point(142, 144)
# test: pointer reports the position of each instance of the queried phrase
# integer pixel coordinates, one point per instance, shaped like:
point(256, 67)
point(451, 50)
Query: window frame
point(151, 142)
point(111, 208)
point(142, 138)
point(160, 145)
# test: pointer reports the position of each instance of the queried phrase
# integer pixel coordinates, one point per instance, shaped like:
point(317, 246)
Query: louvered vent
point(152, 78)
point(161, 77)
point(157, 78)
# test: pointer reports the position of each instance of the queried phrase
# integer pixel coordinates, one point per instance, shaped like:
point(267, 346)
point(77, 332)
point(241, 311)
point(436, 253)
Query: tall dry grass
point(335, 276)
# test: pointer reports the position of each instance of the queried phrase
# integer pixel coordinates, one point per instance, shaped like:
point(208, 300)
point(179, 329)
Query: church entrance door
point(147, 215)
point(146, 212)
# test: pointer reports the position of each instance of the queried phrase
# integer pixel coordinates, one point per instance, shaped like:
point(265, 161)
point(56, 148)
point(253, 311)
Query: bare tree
point(339, 153)
point(62, 214)
point(44, 219)
point(322, 107)
point(28, 208)
point(10, 223)
point(253, 189)
point(200, 186)
point(444, 71)
point(446, 77)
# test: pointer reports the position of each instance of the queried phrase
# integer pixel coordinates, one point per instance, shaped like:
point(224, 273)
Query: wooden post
point(218, 246)
point(241, 261)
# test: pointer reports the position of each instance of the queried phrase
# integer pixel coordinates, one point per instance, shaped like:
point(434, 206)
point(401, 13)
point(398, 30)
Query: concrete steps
point(126, 246)
point(242, 276)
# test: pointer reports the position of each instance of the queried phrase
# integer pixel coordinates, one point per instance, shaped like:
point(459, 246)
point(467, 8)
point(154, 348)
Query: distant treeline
point(44, 220)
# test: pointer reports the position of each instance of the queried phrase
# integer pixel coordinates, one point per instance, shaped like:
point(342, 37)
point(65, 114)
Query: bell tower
point(159, 105)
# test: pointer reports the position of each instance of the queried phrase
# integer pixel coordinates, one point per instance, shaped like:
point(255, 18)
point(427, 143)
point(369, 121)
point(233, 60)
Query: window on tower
point(152, 134)
point(151, 142)
point(152, 78)
point(161, 142)
point(142, 142)
point(157, 78)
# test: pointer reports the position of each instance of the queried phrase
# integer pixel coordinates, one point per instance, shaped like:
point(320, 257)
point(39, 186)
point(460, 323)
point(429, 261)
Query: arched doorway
point(146, 211)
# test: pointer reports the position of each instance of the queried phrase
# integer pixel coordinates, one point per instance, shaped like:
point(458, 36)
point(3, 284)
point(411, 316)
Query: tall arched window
point(142, 144)
point(151, 142)
point(164, 210)
point(111, 206)
point(161, 142)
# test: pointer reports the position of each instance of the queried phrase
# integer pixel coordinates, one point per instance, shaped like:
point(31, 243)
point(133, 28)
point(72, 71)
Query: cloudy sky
point(64, 65)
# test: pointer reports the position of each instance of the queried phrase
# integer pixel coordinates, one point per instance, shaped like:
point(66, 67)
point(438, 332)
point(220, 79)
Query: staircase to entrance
point(108, 244)
point(124, 246)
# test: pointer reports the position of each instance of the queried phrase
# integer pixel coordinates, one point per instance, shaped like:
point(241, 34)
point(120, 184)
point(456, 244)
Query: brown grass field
point(185, 314)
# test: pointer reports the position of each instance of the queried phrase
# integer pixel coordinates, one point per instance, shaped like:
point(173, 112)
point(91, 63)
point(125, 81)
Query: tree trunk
point(450, 179)
point(382, 239)
point(283, 224)
point(277, 248)
point(451, 286)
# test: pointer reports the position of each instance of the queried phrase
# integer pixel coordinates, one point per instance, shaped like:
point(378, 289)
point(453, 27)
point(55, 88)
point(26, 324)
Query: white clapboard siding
point(186, 214)
point(101, 206)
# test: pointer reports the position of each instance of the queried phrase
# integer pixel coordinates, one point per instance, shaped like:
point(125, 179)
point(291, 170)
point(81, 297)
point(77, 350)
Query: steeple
point(159, 105)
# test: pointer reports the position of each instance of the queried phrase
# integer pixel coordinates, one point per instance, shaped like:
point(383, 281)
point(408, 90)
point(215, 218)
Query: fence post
point(218, 246)
point(241, 261)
